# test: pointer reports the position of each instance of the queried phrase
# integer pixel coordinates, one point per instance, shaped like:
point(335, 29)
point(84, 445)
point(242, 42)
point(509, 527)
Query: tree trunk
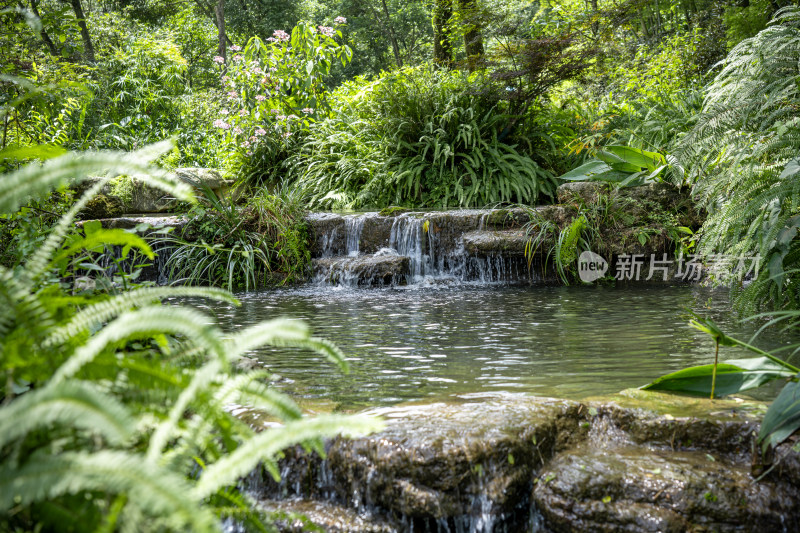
point(88, 48)
point(473, 39)
point(442, 45)
point(219, 12)
point(392, 35)
point(43, 33)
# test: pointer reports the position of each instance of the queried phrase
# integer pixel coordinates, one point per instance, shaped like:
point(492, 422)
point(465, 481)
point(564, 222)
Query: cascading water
point(417, 248)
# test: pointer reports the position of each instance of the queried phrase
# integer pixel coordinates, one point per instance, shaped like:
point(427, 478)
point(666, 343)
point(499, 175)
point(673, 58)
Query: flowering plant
point(275, 88)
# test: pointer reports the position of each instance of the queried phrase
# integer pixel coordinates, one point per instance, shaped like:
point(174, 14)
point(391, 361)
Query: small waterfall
point(418, 248)
point(409, 236)
point(353, 225)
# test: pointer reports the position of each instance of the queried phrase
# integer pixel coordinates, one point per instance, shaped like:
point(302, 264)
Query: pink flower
point(261, 132)
point(249, 152)
point(281, 117)
point(223, 112)
point(326, 31)
point(235, 48)
point(219, 59)
point(243, 113)
point(280, 35)
point(219, 123)
point(287, 134)
point(292, 117)
point(307, 110)
point(275, 111)
point(253, 138)
point(260, 97)
point(246, 144)
point(232, 94)
point(340, 20)
point(237, 130)
point(238, 58)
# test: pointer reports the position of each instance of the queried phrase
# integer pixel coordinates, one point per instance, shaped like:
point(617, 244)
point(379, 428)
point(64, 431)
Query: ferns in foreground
point(114, 410)
point(743, 153)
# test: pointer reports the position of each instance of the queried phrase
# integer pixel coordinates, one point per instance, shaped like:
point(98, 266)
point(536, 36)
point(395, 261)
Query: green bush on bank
point(415, 137)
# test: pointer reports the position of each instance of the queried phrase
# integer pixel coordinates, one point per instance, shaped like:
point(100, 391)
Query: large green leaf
point(586, 171)
point(637, 157)
point(782, 418)
point(732, 377)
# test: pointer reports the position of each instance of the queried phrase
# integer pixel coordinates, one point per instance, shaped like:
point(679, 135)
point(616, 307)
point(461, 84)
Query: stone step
point(373, 269)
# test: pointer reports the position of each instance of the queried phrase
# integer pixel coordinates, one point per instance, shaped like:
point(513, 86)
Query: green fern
point(742, 153)
point(116, 407)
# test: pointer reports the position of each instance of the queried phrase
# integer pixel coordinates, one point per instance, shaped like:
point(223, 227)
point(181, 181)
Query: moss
point(393, 211)
point(102, 206)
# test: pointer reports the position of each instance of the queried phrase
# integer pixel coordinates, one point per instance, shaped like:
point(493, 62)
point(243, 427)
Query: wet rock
point(635, 489)
point(146, 224)
point(722, 427)
point(206, 176)
point(375, 234)
point(296, 515)
point(362, 270)
point(637, 461)
point(327, 234)
point(508, 218)
point(506, 242)
point(469, 463)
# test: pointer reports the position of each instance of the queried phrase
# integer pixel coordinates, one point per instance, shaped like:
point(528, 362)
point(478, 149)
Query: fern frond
point(271, 441)
point(104, 311)
point(156, 492)
point(70, 404)
point(200, 381)
point(191, 324)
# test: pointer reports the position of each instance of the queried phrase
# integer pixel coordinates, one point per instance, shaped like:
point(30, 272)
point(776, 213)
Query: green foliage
point(783, 417)
point(114, 411)
point(274, 90)
point(734, 376)
point(742, 157)
point(622, 165)
point(264, 242)
point(418, 138)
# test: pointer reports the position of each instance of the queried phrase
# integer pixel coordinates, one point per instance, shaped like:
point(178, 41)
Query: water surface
point(431, 342)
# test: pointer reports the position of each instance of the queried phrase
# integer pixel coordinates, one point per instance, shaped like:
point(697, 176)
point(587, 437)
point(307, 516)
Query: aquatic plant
point(783, 416)
point(114, 411)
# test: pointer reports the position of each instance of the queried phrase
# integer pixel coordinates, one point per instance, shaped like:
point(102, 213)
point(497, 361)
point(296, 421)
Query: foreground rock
point(635, 462)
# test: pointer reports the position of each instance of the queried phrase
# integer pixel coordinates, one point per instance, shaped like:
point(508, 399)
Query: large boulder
point(639, 461)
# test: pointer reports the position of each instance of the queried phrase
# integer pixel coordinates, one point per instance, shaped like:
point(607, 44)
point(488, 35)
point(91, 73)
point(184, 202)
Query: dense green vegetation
point(342, 104)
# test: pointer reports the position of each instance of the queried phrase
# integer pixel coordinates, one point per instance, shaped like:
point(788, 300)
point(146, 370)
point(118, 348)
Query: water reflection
point(411, 344)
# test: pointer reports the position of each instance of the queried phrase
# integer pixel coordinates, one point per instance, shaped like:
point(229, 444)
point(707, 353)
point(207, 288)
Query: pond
point(425, 343)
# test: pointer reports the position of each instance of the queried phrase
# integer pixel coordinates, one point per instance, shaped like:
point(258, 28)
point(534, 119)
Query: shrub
point(415, 137)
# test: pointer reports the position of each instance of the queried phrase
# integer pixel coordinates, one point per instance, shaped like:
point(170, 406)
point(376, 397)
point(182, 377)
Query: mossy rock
point(393, 211)
point(102, 206)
